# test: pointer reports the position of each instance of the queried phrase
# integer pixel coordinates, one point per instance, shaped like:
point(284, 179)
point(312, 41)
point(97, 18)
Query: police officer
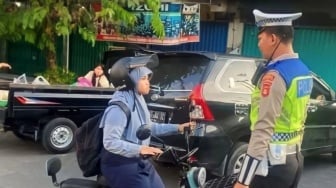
point(278, 108)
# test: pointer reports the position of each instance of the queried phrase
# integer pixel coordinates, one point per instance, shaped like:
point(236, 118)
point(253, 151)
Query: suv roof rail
point(208, 55)
point(136, 47)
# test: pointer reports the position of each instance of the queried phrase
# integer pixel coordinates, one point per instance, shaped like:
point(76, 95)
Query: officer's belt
point(284, 137)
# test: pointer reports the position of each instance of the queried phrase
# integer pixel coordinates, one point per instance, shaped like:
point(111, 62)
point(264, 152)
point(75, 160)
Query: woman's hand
point(147, 150)
point(191, 124)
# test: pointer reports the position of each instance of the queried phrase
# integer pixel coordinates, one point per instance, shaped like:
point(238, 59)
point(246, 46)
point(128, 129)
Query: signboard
point(181, 23)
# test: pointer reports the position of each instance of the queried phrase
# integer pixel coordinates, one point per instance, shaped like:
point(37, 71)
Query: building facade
point(227, 26)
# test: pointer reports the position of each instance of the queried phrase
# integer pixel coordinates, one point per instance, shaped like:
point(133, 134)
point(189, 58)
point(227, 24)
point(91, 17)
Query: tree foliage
point(40, 22)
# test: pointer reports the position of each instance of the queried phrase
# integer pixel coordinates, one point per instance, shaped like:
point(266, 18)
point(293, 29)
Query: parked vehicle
point(51, 114)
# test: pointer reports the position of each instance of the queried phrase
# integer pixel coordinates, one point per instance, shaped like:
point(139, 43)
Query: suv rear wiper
point(246, 83)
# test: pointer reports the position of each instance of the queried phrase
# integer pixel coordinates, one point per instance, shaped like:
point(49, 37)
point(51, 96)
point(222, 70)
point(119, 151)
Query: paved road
point(22, 164)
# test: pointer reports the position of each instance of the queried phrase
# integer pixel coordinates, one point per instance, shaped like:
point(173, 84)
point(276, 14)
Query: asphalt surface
point(22, 165)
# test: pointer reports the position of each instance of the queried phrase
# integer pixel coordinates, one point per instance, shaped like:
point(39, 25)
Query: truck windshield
point(179, 73)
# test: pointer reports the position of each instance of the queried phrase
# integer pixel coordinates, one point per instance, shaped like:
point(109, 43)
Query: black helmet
point(119, 72)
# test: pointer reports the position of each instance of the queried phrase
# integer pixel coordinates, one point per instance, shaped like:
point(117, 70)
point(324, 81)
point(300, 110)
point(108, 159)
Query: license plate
point(157, 116)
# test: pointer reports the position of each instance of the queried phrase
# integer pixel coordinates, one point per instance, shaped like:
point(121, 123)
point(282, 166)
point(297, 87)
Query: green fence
point(83, 57)
point(26, 58)
point(316, 47)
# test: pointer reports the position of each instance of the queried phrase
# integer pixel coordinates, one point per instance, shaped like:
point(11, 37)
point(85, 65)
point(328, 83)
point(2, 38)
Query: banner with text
point(181, 23)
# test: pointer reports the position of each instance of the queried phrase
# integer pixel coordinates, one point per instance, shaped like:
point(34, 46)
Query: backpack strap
point(124, 108)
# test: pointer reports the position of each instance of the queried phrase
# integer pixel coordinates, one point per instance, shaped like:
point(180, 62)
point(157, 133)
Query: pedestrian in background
point(97, 77)
point(278, 108)
point(5, 65)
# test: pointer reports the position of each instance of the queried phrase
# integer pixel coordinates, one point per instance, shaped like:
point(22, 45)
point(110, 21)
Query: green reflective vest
point(289, 126)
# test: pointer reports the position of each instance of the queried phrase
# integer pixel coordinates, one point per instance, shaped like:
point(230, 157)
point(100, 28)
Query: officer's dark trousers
point(122, 172)
point(282, 176)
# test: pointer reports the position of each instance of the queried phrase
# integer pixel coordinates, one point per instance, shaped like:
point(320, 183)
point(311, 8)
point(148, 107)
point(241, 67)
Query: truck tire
point(236, 158)
point(58, 135)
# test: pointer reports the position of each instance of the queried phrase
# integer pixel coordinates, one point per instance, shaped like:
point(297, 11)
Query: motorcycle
point(190, 176)
point(54, 165)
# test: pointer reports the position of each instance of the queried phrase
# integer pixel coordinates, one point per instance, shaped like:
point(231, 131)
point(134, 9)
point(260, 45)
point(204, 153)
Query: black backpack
point(89, 141)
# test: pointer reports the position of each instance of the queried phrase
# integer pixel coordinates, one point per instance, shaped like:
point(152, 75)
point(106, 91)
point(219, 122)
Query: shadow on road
point(23, 161)
point(9, 145)
point(319, 171)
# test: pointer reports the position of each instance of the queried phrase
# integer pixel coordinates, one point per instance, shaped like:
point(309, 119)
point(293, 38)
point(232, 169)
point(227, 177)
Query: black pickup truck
point(214, 89)
point(51, 114)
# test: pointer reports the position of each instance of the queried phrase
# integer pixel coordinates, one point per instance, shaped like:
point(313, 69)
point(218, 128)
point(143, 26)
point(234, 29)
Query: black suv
point(215, 90)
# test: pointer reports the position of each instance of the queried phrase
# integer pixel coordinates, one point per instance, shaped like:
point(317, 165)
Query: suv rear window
point(179, 72)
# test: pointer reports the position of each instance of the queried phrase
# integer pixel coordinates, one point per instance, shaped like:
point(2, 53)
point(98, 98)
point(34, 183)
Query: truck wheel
point(58, 135)
point(236, 158)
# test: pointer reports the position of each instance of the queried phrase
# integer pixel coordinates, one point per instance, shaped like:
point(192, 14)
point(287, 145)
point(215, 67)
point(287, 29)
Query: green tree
point(40, 22)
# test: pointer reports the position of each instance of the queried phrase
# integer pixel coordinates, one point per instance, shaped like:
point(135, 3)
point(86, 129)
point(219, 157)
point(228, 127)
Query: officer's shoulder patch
point(266, 83)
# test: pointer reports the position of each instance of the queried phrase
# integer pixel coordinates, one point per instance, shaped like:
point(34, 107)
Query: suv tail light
point(200, 109)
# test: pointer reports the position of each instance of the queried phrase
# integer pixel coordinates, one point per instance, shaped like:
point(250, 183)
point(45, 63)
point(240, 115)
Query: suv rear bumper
point(214, 147)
